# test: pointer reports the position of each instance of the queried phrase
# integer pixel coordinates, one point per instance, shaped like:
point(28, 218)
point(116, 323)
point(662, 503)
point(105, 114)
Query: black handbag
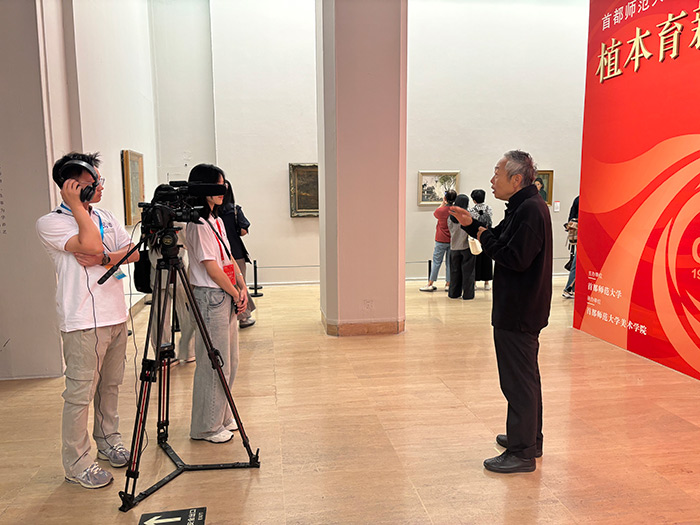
point(569, 263)
point(142, 273)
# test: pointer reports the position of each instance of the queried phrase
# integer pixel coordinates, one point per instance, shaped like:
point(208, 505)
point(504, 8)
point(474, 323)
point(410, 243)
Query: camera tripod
point(158, 369)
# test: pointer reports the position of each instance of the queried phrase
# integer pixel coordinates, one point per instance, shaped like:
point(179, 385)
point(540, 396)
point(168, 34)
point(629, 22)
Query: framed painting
point(432, 186)
point(545, 184)
point(132, 179)
point(303, 190)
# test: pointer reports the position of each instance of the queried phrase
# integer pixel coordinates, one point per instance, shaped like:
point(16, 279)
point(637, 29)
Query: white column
point(361, 64)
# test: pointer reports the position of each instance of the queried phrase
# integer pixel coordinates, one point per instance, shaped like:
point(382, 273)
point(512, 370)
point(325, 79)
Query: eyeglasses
point(100, 182)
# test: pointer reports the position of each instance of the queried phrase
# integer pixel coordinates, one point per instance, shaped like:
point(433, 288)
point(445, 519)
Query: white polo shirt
point(203, 245)
point(81, 302)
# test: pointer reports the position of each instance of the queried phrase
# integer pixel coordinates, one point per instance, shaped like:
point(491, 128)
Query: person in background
point(571, 228)
point(83, 241)
point(521, 247)
point(442, 242)
point(461, 258)
point(236, 227)
point(219, 290)
point(483, 213)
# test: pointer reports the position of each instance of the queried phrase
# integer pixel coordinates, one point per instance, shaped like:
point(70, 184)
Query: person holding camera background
point(219, 290)
point(442, 242)
point(82, 242)
point(237, 226)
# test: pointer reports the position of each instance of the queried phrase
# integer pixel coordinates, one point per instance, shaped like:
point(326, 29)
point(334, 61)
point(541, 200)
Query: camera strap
point(221, 241)
point(230, 268)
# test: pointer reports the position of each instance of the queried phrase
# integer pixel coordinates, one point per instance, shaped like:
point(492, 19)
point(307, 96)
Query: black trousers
point(519, 374)
point(462, 274)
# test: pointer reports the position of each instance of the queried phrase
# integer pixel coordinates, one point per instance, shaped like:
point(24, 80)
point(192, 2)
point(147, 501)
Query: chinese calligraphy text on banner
point(638, 269)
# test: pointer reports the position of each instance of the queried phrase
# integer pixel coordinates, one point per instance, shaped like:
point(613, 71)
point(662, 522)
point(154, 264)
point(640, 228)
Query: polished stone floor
point(387, 429)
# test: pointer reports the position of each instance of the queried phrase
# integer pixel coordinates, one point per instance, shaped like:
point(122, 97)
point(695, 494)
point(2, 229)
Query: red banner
point(638, 261)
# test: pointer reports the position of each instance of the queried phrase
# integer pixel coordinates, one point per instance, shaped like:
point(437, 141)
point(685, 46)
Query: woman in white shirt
point(212, 275)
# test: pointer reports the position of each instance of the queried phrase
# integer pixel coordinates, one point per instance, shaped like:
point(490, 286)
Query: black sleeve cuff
point(473, 228)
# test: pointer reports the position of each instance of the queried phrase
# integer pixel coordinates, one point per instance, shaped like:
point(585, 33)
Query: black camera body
point(171, 203)
point(178, 201)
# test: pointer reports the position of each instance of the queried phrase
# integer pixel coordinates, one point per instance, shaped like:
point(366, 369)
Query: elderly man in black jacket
point(521, 247)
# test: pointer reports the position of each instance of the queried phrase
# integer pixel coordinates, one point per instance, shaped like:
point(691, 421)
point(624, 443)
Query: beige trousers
point(94, 370)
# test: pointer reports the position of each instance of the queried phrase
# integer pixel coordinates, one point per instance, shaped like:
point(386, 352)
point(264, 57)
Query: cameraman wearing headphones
point(82, 241)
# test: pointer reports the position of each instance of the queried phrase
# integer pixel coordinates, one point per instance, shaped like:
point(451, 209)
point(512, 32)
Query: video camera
point(175, 202)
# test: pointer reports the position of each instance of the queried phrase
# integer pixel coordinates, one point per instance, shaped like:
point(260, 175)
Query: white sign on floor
point(175, 517)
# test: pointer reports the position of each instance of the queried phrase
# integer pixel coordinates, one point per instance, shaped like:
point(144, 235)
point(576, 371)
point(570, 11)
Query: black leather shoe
point(502, 440)
point(508, 463)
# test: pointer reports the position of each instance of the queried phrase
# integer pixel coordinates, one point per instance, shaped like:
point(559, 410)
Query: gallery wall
point(234, 83)
point(183, 84)
point(484, 77)
point(29, 340)
point(264, 66)
point(115, 87)
point(79, 82)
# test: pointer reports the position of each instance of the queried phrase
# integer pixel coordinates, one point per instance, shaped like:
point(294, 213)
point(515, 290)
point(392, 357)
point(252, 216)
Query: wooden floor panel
point(387, 429)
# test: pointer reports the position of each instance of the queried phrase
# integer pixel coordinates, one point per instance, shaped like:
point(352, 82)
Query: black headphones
point(88, 192)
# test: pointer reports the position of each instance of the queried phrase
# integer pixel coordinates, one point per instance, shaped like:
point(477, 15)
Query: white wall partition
point(184, 91)
point(29, 340)
point(113, 57)
point(485, 77)
point(265, 99)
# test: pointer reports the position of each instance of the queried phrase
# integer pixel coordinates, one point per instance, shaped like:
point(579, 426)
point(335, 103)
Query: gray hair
point(520, 162)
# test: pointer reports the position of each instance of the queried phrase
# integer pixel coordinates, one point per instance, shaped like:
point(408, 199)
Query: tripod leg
point(216, 362)
point(166, 352)
point(160, 367)
point(147, 377)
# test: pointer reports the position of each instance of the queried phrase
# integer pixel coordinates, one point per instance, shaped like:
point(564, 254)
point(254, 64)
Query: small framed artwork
point(545, 184)
point(303, 190)
point(432, 186)
point(132, 178)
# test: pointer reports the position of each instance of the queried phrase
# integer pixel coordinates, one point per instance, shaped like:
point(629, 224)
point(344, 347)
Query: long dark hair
point(209, 174)
point(229, 198)
point(463, 202)
point(229, 204)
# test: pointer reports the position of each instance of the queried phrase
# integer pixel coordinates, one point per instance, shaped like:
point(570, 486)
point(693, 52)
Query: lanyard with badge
point(229, 269)
point(119, 274)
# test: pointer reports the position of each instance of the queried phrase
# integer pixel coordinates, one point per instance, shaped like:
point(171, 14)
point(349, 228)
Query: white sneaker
point(232, 426)
point(428, 288)
point(487, 286)
point(222, 437)
point(92, 477)
point(118, 455)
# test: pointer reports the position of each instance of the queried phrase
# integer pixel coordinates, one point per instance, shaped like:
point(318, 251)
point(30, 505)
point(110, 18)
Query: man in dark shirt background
point(521, 247)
